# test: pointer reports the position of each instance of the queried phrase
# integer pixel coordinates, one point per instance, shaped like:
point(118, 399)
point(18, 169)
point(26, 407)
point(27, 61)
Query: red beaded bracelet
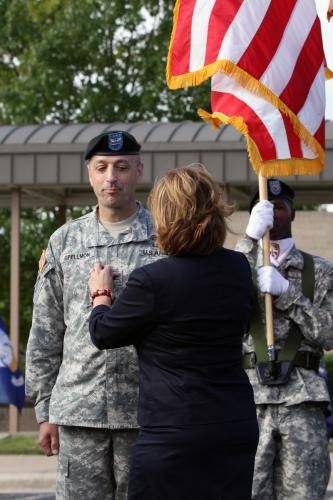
point(102, 291)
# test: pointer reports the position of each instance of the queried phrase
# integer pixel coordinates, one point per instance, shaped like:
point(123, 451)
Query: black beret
point(114, 143)
point(276, 189)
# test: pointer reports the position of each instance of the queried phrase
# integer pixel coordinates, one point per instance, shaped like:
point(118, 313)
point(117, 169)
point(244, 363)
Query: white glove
point(261, 218)
point(271, 281)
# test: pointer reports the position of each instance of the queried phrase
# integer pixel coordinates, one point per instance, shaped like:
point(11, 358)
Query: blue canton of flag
point(11, 380)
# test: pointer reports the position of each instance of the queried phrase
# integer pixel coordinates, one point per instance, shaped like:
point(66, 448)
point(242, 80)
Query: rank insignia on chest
point(42, 261)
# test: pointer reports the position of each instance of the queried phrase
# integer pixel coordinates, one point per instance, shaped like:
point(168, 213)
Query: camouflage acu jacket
point(70, 381)
point(314, 319)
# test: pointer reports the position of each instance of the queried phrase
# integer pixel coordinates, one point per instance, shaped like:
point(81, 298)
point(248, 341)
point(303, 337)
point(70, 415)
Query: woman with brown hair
point(186, 315)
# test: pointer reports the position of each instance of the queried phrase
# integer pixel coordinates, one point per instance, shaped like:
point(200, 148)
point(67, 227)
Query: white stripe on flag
point(313, 110)
point(199, 31)
point(281, 67)
point(243, 28)
point(307, 152)
point(268, 114)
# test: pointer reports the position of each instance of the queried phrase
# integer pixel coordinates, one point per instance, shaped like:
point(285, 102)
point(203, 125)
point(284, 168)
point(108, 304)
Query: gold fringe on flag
point(272, 168)
point(250, 83)
point(328, 73)
point(190, 79)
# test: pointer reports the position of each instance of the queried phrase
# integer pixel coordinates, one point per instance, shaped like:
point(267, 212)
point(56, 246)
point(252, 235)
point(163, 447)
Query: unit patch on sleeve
point(42, 261)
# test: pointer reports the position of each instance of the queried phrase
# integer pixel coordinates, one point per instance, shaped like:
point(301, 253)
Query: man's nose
point(111, 174)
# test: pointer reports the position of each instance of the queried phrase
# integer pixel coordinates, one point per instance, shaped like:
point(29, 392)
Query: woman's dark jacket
point(186, 317)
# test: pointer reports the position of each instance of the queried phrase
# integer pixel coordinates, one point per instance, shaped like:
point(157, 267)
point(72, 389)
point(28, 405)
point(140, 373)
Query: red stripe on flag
point(308, 63)
point(181, 47)
point(320, 134)
point(230, 105)
point(258, 55)
point(222, 16)
point(293, 140)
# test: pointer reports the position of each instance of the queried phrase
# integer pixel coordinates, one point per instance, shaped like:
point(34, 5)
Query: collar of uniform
point(140, 230)
point(294, 259)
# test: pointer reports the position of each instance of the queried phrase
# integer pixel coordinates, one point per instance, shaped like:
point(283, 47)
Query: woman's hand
point(100, 277)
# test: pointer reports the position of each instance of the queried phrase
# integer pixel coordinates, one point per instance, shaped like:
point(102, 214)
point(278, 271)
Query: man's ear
point(293, 214)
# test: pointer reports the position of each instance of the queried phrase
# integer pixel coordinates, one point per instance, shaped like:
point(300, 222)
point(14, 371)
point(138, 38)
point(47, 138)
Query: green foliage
point(89, 60)
point(299, 207)
point(80, 61)
point(20, 445)
point(37, 225)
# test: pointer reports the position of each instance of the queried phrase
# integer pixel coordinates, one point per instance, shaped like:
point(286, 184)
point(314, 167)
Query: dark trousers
point(203, 462)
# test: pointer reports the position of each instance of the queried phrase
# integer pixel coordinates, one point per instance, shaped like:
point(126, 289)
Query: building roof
point(46, 161)
point(145, 133)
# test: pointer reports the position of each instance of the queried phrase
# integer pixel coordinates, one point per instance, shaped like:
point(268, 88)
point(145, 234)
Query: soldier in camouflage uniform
point(292, 460)
point(86, 399)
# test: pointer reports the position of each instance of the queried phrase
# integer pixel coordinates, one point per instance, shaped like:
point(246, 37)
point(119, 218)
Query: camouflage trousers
point(93, 464)
point(292, 460)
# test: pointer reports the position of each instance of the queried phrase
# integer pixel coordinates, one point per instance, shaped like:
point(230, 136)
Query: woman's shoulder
point(235, 261)
point(168, 265)
point(229, 254)
point(153, 267)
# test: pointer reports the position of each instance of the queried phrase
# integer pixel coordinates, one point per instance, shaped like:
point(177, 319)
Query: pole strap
point(295, 336)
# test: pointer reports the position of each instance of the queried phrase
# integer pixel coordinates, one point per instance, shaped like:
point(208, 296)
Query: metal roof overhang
point(46, 161)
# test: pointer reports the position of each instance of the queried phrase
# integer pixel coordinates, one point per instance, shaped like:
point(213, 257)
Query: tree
point(89, 61)
point(36, 227)
point(80, 61)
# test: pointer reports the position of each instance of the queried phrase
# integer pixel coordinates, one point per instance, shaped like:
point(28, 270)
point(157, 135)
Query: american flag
point(267, 65)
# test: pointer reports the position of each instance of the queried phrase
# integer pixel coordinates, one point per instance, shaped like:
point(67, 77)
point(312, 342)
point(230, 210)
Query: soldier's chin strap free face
point(284, 214)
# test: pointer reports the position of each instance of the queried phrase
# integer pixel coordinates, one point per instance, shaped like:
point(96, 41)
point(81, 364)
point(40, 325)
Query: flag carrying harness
point(291, 355)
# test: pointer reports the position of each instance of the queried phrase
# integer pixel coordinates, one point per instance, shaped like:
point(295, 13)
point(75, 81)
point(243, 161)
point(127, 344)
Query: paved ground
point(32, 477)
point(50, 496)
point(27, 495)
point(27, 473)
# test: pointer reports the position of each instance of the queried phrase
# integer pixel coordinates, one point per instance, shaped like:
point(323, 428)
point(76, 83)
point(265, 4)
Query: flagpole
point(263, 195)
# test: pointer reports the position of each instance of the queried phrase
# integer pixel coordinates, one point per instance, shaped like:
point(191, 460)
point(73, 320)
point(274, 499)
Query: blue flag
point(11, 380)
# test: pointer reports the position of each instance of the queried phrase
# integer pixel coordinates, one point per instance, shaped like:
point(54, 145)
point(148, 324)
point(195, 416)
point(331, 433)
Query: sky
point(327, 32)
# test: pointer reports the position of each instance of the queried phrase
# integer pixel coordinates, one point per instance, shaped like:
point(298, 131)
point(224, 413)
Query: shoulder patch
point(42, 261)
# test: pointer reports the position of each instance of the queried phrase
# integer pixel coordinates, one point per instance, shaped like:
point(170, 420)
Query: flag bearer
point(292, 459)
